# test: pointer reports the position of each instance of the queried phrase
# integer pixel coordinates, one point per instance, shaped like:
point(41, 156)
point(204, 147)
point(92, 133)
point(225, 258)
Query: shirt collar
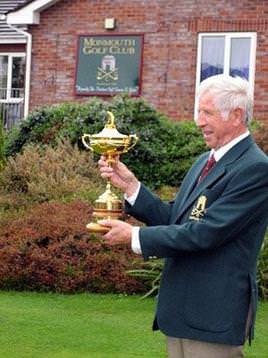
point(219, 153)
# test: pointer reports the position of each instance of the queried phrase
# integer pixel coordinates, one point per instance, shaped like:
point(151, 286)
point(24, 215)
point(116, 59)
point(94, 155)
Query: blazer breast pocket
point(211, 195)
point(202, 203)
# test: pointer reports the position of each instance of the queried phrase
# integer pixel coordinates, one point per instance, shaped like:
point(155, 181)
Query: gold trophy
point(108, 142)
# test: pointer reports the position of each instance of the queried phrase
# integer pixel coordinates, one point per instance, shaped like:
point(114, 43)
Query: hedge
point(48, 249)
point(165, 150)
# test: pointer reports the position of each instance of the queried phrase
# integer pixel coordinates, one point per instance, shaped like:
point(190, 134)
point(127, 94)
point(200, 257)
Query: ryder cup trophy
point(108, 142)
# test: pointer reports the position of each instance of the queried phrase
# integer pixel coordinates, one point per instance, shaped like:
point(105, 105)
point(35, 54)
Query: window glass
point(18, 76)
point(240, 57)
point(3, 76)
point(212, 56)
point(231, 53)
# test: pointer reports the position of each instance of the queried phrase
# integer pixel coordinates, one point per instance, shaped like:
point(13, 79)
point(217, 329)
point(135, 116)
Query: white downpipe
point(28, 68)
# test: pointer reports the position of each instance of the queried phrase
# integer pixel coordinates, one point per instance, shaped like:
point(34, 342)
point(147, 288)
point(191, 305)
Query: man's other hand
point(120, 232)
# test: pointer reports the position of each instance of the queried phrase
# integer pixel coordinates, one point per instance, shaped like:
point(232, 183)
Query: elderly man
point(210, 235)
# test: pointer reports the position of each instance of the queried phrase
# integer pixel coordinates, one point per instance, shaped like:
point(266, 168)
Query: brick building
point(181, 43)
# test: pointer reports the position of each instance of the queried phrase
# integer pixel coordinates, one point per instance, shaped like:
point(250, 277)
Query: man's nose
point(201, 119)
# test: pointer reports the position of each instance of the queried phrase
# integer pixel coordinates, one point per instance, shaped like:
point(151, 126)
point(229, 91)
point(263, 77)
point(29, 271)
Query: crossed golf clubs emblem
point(107, 75)
point(199, 209)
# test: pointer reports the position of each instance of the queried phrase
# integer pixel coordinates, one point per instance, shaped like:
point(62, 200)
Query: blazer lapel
point(190, 182)
point(194, 191)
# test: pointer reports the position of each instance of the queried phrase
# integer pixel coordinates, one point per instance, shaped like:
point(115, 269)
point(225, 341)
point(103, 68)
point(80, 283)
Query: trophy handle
point(133, 141)
point(85, 142)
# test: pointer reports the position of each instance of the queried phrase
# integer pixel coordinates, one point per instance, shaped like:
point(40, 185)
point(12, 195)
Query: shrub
point(48, 249)
point(150, 272)
point(263, 270)
point(2, 155)
point(42, 174)
point(261, 136)
point(163, 154)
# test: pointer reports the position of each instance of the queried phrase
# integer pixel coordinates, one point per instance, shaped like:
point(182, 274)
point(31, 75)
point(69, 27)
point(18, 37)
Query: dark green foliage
point(263, 270)
point(2, 142)
point(150, 273)
point(163, 154)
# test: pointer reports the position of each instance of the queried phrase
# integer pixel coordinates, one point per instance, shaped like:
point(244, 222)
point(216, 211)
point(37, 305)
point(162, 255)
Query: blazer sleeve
point(149, 208)
point(243, 201)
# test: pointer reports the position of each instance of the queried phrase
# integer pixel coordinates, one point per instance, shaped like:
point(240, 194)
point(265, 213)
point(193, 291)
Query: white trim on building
point(30, 13)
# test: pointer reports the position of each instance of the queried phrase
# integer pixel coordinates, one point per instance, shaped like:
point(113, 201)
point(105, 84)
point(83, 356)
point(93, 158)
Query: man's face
point(217, 131)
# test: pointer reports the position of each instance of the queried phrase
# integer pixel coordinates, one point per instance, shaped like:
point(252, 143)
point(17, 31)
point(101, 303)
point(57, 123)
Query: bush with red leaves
point(49, 249)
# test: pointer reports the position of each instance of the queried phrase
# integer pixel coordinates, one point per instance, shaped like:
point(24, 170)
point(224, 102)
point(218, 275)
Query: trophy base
point(97, 228)
point(106, 207)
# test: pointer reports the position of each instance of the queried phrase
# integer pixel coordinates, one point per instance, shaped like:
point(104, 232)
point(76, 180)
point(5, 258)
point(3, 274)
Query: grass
point(96, 326)
point(259, 348)
point(77, 326)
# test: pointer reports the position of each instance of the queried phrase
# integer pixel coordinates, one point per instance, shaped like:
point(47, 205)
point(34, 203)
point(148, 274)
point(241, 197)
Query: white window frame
point(226, 67)
point(10, 56)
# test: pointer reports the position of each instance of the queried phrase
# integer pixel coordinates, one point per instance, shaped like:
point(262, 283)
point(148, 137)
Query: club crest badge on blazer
point(199, 208)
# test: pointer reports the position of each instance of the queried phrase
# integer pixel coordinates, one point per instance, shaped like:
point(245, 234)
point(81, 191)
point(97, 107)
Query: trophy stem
point(108, 186)
point(109, 197)
point(110, 159)
point(109, 194)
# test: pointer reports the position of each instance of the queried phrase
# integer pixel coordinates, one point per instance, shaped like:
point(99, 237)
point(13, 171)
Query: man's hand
point(120, 176)
point(120, 232)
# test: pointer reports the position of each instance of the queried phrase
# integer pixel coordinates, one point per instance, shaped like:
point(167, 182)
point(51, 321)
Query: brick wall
point(170, 46)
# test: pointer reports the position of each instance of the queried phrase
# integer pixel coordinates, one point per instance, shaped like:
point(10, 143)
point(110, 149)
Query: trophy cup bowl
point(108, 142)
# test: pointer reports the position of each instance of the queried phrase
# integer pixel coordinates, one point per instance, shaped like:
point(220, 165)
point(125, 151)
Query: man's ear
point(237, 116)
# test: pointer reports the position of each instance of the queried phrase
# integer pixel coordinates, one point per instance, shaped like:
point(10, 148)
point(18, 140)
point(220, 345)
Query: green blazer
point(210, 237)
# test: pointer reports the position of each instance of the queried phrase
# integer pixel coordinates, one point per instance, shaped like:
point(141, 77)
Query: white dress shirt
point(218, 154)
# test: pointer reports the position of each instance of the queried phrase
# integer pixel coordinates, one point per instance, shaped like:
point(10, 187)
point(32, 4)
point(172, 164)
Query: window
point(227, 53)
point(12, 77)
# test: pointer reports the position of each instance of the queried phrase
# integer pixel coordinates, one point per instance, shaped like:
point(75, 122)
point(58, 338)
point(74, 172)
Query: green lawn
point(259, 347)
point(95, 326)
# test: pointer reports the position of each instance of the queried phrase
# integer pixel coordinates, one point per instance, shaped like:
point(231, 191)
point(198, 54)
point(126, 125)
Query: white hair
point(228, 94)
